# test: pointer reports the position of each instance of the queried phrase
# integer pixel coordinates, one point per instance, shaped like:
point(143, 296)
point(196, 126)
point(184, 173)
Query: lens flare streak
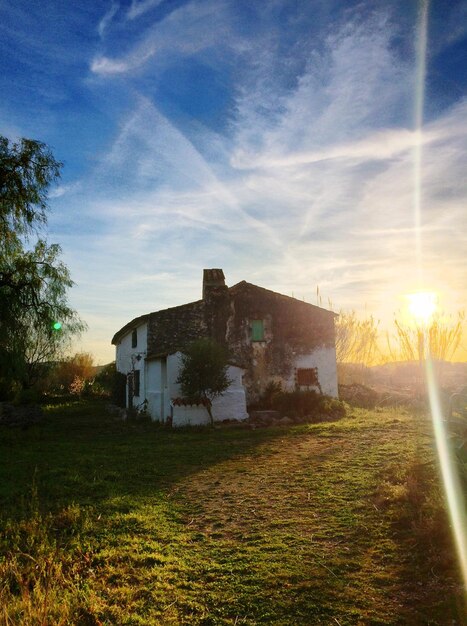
point(451, 481)
point(419, 100)
point(450, 477)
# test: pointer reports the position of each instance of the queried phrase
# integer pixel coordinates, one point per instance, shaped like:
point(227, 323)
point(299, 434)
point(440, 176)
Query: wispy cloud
point(62, 190)
point(376, 146)
point(175, 181)
point(107, 19)
point(310, 183)
point(184, 32)
point(349, 86)
point(103, 65)
point(139, 7)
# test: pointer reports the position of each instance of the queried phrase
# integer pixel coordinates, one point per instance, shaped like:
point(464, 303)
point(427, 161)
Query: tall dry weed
point(44, 570)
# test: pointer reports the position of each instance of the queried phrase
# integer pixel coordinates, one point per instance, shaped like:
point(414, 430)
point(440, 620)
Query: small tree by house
point(203, 374)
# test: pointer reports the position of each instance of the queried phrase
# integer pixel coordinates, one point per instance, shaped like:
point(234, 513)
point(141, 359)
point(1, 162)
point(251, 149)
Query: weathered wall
point(296, 335)
point(124, 351)
point(294, 332)
point(232, 403)
point(190, 416)
point(324, 359)
point(161, 374)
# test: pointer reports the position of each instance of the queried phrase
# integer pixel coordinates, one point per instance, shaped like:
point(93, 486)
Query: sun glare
point(422, 306)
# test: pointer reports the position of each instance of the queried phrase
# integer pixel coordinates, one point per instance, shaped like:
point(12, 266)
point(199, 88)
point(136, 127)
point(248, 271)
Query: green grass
point(106, 522)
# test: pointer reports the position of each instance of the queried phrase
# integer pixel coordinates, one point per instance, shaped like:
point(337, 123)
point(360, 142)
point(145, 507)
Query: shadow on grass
point(79, 454)
point(281, 555)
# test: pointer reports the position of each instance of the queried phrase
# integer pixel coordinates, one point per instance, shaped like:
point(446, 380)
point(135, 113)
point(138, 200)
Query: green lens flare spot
point(57, 326)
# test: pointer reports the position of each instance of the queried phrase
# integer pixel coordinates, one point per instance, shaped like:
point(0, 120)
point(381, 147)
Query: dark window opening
point(257, 330)
point(134, 338)
point(307, 377)
point(136, 380)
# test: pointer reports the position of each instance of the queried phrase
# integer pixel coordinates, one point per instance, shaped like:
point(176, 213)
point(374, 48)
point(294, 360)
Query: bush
point(68, 373)
point(272, 391)
point(111, 384)
point(361, 396)
point(26, 396)
point(76, 387)
point(299, 403)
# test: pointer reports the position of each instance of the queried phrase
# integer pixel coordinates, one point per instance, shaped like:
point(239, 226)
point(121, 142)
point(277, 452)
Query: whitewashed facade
point(157, 386)
point(324, 361)
point(270, 338)
point(130, 359)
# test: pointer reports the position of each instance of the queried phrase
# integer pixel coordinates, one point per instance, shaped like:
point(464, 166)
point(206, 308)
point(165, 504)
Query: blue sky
point(274, 139)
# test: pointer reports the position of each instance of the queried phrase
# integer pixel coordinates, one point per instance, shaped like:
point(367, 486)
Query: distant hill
point(98, 368)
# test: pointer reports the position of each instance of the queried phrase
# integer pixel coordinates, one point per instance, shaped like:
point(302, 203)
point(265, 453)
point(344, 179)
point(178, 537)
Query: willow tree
point(35, 317)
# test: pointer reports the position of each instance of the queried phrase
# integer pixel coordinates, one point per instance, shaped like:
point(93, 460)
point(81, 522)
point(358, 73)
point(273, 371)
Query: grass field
point(106, 522)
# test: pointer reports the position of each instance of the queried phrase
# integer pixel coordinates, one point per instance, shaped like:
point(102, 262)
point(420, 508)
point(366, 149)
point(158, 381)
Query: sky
point(275, 139)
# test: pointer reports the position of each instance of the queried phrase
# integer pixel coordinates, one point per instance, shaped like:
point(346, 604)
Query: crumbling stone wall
point(291, 329)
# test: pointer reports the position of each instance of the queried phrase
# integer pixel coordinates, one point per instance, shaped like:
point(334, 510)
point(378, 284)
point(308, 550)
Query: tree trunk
point(209, 410)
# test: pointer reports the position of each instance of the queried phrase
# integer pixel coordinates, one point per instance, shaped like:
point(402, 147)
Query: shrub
point(26, 396)
point(76, 387)
point(272, 391)
point(299, 403)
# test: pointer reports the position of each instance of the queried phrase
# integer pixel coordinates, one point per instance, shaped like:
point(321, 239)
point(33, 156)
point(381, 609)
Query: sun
point(422, 306)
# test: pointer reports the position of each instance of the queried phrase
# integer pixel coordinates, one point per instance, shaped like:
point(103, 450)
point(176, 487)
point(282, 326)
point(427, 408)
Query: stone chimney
point(216, 304)
point(213, 282)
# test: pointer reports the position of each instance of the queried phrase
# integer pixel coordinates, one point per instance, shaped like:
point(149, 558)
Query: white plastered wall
point(231, 405)
point(324, 359)
point(128, 358)
point(154, 389)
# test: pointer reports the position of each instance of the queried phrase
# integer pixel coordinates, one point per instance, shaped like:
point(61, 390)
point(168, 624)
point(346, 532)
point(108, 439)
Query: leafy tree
point(203, 375)
point(79, 366)
point(33, 280)
point(112, 383)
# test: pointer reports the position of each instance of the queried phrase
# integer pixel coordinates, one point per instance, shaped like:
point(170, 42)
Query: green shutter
point(257, 330)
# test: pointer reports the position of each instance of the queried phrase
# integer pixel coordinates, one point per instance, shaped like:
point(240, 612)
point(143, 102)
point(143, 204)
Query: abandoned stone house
point(270, 338)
